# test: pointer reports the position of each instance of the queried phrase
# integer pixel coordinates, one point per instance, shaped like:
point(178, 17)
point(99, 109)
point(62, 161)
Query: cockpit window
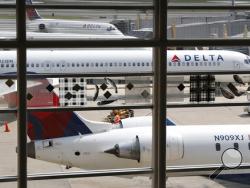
point(110, 28)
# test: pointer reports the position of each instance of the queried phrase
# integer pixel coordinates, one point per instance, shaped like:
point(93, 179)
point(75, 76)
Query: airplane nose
point(31, 150)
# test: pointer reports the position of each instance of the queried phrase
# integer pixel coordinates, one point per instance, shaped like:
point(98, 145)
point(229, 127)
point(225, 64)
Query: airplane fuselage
point(193, 146)
point(118, 61)
point(69, 26)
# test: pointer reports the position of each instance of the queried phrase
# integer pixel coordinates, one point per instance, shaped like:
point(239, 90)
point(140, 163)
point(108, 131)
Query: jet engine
point(42, 27)
point(128, 150)
point(141, 150)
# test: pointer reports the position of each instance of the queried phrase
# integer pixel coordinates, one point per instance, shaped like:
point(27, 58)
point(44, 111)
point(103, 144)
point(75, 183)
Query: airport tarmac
point(184, 116)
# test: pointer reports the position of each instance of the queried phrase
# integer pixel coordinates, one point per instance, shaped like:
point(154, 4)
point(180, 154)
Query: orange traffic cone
point(6, 127)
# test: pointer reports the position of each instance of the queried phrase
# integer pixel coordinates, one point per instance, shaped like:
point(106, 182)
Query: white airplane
point(132, 61)
point(69, 140)
point(39, 24)
point(125, 60)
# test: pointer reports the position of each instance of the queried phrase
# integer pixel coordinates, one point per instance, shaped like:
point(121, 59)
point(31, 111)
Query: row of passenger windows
point(205, 63)
point(235, 146)
point(8, 65)
point(139, 64)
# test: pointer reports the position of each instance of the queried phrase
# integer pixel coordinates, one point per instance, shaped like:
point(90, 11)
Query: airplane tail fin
point(46, 125)
point(32, 13)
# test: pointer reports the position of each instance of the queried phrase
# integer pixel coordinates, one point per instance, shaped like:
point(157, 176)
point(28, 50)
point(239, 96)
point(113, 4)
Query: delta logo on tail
point(175, 59)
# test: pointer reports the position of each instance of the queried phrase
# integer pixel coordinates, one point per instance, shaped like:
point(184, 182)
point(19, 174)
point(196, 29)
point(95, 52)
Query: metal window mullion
point(8, 110)
point(89, 108)
point(92, 7)
point(208, 7)
point(122, 43)
point(139, 7)
point(21, 88)
point(8, 43)
point(208, 72)
point(207, 42)
point(135, 43)
point(86, 75)
point(145, 106)
point(76, 75)
point(81, 174)
point(159, 96)
point(81, 7)
point(213, 104)
point(132, 7)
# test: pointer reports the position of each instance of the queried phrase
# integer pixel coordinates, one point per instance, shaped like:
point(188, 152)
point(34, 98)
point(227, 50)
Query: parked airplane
point(39, 24)
point(133, 60)
point(64, 140)
point(129, 60)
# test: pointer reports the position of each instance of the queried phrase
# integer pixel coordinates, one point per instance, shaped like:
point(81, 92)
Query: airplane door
point(236, 65)
point(175, 147)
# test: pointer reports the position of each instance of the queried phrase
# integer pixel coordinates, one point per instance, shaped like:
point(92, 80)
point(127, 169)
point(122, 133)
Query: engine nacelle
point(128, 150)
point(42, 27)
point(141, 150)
